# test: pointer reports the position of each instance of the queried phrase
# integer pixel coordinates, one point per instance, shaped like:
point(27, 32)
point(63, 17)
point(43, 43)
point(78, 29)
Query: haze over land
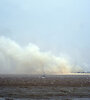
point(31, 60)
point(50, 35)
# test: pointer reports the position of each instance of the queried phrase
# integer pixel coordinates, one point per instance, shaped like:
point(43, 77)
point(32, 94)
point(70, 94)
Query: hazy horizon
point(50, 33)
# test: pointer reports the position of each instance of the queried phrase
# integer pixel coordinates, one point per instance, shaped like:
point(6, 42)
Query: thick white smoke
point(29, 60)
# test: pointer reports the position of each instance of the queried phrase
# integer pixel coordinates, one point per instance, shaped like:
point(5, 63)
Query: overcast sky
point(59, 26)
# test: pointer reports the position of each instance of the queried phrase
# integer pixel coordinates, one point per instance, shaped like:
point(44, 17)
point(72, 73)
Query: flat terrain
point(53, 87)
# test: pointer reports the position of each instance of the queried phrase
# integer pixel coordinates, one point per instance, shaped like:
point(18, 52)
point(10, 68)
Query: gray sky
point(59, 26)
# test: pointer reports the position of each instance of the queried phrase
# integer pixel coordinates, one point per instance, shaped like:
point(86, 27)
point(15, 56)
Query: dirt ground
point(54, 87)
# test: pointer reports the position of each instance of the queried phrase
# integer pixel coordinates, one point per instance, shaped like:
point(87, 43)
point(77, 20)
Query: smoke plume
point(15, 59)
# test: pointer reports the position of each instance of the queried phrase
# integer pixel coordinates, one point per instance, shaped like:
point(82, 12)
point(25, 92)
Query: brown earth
point(34, 86)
